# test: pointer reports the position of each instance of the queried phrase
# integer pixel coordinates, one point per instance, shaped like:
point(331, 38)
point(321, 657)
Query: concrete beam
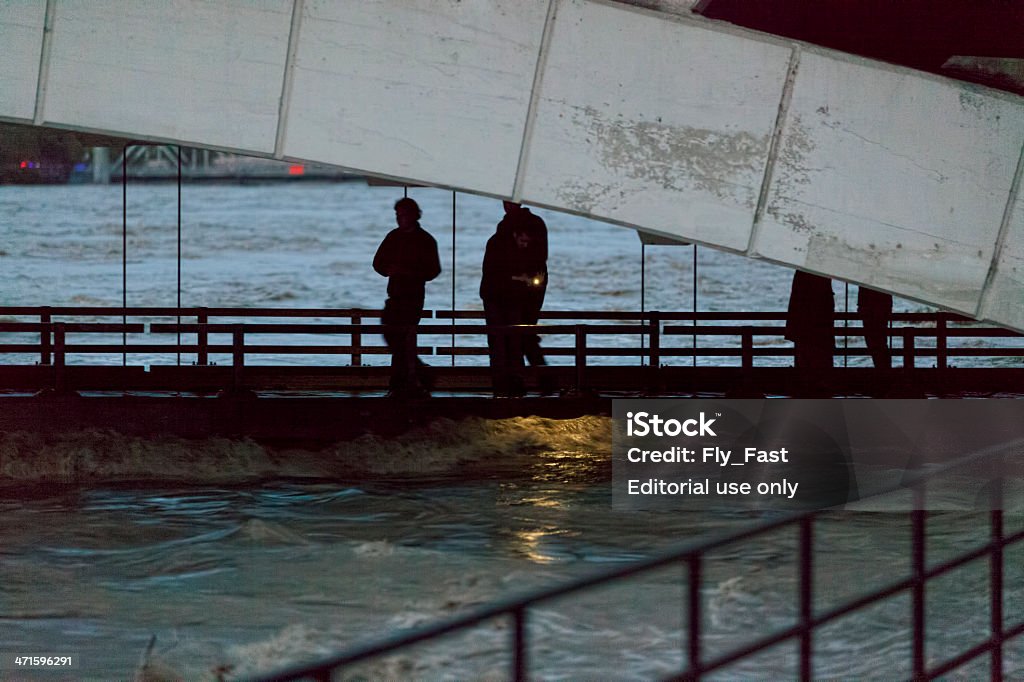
point(435, 92)
point(196, 72)
point(669, 123)
point(892, 178)
point(21, 35)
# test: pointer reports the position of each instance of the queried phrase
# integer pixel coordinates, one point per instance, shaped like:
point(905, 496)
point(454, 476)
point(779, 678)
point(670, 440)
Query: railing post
point(519, 648)
point(996, 573)
point(941, 353)
point(238, 355)
point(806, 598)
point(202, 339)
point(44, 336)
point(693, 616)
point(655, 334)
point(917, 516)
point(996, 589)
point(908, 349)
point(747, 348)
point(357, 343)
point(581, 357)
point(59, 360)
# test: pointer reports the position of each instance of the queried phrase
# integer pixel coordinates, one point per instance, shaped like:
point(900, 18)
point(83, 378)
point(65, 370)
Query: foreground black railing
point(809, 621)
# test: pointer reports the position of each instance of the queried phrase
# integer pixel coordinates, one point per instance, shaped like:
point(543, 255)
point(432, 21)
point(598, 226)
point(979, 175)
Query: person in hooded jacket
point(518, 218)
point(507, 289)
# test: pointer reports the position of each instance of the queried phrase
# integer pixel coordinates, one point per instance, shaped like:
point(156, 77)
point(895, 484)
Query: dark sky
point(918, 33)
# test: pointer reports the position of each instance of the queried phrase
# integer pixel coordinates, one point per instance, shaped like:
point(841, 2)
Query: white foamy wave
point(292, 644)
point(445, 444)
point(97, 455)
point(481, 659)
point(267, 533)
point(442, 447)
point(374, 549)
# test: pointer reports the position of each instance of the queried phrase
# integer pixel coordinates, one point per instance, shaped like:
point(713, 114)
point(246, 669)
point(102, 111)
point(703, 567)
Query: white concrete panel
point(649, 120)
point(1005, 298)
point(893, 179)
point(434, 90)
point(21, 39)
point(192, 70)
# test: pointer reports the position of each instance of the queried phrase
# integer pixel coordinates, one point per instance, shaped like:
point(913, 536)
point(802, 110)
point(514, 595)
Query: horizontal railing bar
point(249, 328)
point(719, 330)
point(746, 650)
point(973, 652)
point(589, 351)
point(171, 311)
point(254, 349)
point(767, 330)
point(592, 351)
point(701, 315)
point(553, 315)
point(99, 348)
point(973, 352)
point(292, 312)
point(965, 332)
point(76, 327)
point(167, 311)
point(634, 351)
point(227, 350)
point(727, 351)
point(421, 330)
point(973, 555)
point(960, 659)
point(470, 351)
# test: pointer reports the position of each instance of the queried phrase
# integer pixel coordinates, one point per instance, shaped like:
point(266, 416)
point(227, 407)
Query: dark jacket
point(811, 306)
point(409, 260)
point(533, 225)
point(503, 260)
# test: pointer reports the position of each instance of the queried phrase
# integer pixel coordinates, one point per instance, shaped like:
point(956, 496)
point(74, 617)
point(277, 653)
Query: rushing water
point(240, 557)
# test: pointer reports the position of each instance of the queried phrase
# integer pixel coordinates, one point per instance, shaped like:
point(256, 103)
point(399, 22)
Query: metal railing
point(808, 622)
point(600, 349)
point(749, 336)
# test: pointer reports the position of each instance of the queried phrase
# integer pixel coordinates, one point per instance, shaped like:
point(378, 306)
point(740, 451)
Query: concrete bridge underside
point(674, 124)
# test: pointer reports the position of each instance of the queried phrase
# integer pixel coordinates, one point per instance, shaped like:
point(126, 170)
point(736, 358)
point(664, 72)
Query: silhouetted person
point(505, 288)
point(875, 309)
point(408, 258)
point(809, 321)
point(535, 266)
